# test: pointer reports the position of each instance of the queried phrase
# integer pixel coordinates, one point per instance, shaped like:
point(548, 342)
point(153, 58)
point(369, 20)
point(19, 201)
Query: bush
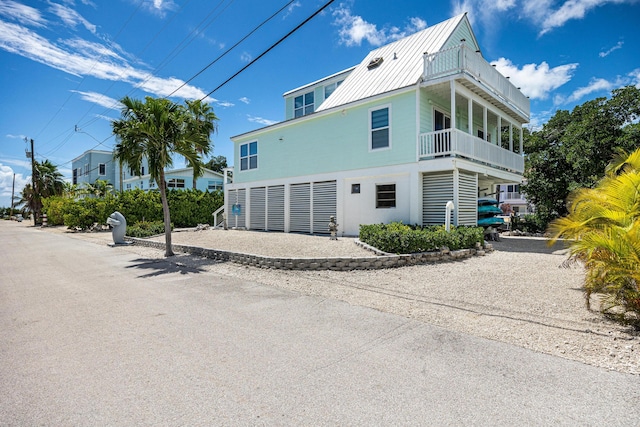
point(146, 229)
point(54, 207)
point(403, 239)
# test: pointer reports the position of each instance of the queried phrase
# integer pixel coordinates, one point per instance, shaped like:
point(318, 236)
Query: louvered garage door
point(467, 198)
point(275, 208)
point(437, 190)
point(300, 208)
point(324, 205)
point(257, 219)
point(239, 197)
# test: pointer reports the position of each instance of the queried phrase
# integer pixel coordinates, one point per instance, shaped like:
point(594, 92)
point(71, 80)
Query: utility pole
point(13, 189)
point(33, 180)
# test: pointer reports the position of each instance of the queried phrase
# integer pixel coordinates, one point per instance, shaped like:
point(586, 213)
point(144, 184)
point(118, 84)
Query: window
point(303, 105)
point(214, 185)
point(380, 128)
point(329, 89)
point(102, 169)
point(128, 186)
point(142, 171)
point(79, 171)
point(481, 135)
point(386, 196)
point(86, 169)
point(355, 188)
point(441, 121)
point(175, 183)
point(249, 156)
point(75, 176)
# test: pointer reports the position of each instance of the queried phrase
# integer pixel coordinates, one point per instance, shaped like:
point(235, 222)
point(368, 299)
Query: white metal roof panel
point(402, 65)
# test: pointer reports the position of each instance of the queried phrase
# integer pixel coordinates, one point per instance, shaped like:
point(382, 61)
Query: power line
point(269, 49)
point(232, 47)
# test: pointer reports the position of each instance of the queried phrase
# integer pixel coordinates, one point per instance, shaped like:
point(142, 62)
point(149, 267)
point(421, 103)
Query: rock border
point(379, 261)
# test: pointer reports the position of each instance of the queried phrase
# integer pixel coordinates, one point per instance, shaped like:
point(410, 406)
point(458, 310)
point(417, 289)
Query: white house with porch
point(417, 123)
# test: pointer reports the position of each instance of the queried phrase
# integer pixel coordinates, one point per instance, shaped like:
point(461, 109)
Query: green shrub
point(146, 229)
point(54, 207)
point(403, 239)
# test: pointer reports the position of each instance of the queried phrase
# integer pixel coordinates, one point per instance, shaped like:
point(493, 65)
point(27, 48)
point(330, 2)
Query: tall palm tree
point(99, 188)
point(156, 129)
point(48, 182)
point(603, 226)
point(201, 125)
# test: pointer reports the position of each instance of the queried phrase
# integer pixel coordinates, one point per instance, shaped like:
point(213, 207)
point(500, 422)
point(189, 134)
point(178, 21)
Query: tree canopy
point(572, 149)
point(155, 130)
point(48, 182)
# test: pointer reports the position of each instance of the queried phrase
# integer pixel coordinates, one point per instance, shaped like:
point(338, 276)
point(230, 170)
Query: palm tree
point(202, 124)
point(48, 182)
point(99, 188)
point(156, 129)
point(604, 227)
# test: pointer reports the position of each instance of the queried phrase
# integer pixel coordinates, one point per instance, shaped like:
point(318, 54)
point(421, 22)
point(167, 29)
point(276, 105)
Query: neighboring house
point(96, 164)
point(417, 123)
point(510, 194)
point(93, 165)
point(177, 179)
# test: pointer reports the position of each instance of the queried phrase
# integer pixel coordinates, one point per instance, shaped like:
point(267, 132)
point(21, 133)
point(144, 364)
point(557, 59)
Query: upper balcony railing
point(461, 59)
point(454, 142)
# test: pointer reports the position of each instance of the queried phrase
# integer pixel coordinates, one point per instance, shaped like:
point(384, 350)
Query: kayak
point(487, 201)
point(489, 209)
point(492, 220)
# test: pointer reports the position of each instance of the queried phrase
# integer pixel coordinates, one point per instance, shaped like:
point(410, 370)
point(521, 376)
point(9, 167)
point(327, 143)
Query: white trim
point(248, 157)
point(389, 127)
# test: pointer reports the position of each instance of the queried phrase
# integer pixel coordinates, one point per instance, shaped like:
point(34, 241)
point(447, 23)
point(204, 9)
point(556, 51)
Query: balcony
point(461, 60)
point(456, 143)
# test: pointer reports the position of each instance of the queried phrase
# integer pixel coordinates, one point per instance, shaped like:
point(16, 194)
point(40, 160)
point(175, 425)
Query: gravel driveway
point(518, 294)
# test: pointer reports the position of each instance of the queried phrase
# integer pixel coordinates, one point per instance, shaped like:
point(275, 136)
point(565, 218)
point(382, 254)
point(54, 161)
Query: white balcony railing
point(461, 59)
point(454, 142)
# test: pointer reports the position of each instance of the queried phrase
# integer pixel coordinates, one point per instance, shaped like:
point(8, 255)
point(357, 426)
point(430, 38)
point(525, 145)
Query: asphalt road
point(94, 335)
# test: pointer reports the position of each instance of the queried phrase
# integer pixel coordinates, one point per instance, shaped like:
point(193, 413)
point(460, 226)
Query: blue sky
point(65, 63)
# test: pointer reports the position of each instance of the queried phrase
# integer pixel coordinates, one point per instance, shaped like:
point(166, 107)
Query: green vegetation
point(573, 148)
point(190, 208)
point(603, 226)
point(155, 130)
point(399, 238)
point(144, 229)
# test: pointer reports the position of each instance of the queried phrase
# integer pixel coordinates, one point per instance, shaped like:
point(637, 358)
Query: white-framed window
point(329, 89)
point(86, 169)
point(128, 186)
point(214, 185)
point(441, 120)
point(79, 171)
point(175, 183)
point(380, 128)
point(385, 196)
point(102, 169)
point(303, 105)
point(249, 156)
point(152, 183)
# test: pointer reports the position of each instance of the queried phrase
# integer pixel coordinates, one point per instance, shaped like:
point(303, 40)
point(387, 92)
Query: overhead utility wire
point(231, 48)
point(269, 49)
point(202, 25)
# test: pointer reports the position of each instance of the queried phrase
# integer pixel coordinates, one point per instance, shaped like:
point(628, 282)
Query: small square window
point(355, 188)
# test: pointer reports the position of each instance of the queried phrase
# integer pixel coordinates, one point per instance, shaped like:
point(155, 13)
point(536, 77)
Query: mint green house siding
point(418, 123)
point(330, 142)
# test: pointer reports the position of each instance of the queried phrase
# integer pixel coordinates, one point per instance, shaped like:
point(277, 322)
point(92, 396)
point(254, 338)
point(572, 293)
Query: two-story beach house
point(417, 123)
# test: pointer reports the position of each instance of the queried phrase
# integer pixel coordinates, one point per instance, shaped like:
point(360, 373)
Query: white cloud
point(612, 49)
point(70, 17)
point(536, 81)
point(599, 85)
point(99, 99)
point(291, 8)
point(245, 100)
point(6, 182)
point(261, 120)
point(572, 9)
point(353, 30)
point(225, 104)
point(245, 57)
point(15, 136)
point(78, 57)
point(24, 14)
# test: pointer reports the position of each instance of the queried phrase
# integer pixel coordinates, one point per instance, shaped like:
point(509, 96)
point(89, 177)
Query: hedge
point(188, 208)
point(399, 238)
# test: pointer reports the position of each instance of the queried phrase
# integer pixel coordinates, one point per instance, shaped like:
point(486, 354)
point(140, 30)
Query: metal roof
point(402, 65)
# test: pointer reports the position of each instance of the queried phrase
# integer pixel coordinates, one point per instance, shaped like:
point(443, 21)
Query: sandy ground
point(519, 294)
